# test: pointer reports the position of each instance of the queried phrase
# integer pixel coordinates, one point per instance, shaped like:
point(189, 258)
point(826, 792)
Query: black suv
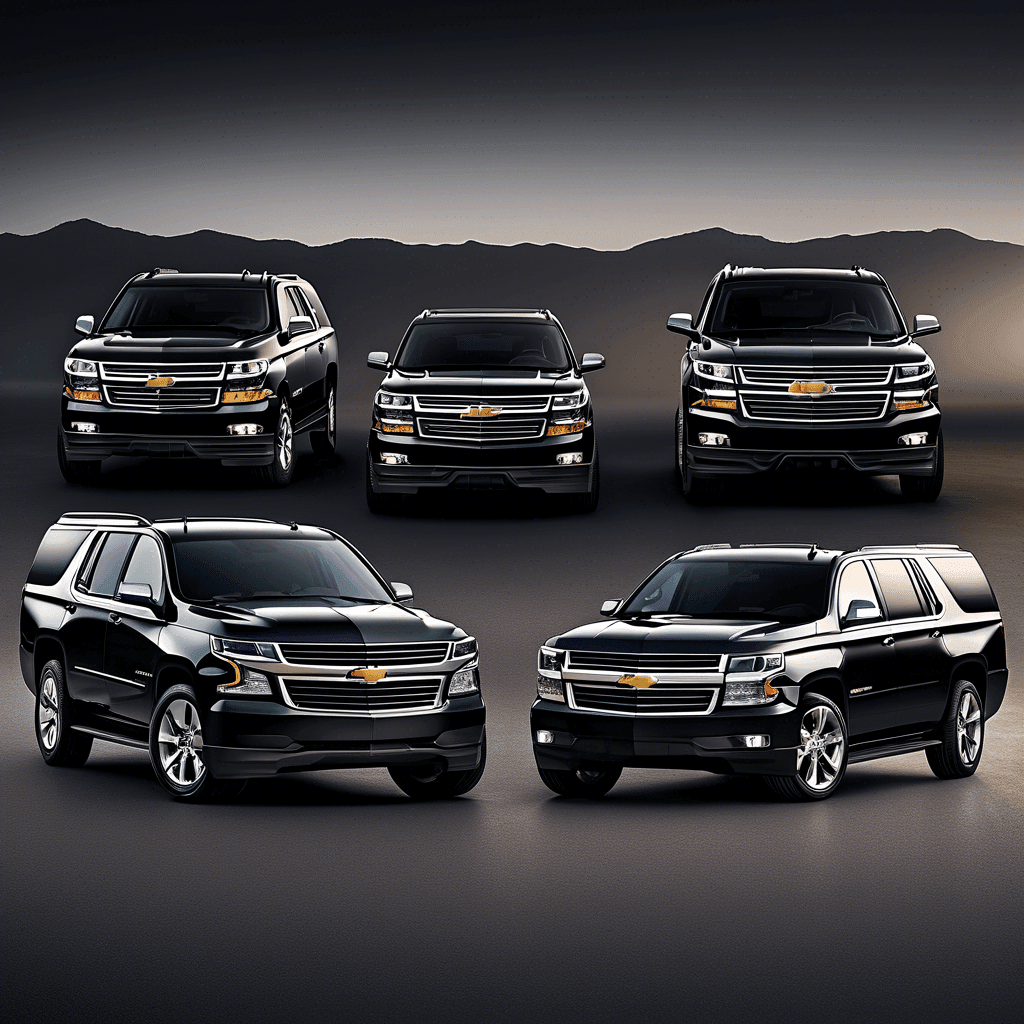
point(230, 367)
point(483, 398)
point(233, 648)
point(783, 661)
point(806, 369)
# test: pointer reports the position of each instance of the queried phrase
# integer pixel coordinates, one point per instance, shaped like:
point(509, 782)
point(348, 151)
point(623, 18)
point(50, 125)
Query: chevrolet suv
point(230, 367)
point(790, 369)
point(783, 661)
point(489, 398)
point(241, 648)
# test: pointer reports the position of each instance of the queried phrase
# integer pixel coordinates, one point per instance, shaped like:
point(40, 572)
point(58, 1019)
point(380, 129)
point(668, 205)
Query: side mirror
point(610, 607)
point(861, 610)
point(300, 325)
point(85, 324)
point(403, 593)
point(379, 361)
point(925, 324)
point(135, 593)
point(682, 323)
point(592, 361)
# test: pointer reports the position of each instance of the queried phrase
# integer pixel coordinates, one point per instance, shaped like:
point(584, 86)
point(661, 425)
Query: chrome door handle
point(114, 618)
point(936, 634)
point(889, 641)
point(320, 345)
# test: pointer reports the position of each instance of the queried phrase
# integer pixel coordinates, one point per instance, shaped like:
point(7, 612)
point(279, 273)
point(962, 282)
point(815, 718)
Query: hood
point(121, 347)
point(810, 350)
point(670, 635)
point(319, 620)
point(482, 384)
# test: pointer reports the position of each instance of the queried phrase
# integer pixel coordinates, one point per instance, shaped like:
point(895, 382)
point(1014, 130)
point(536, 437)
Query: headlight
point(749, 694)
point(256, 368)
point(759, 663)
point(573, 401)
point(249, 682)
point(714, 370)
point(550, 660)
point(386, 400)
point(915, 371)
point(244, 649)
point(550, 689)
point(464, 681)
point(464, 648)
point(80, 366)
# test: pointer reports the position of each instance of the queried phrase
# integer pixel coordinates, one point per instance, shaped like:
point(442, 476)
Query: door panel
point(923, 666)
point(869, 666)
point(83, 634)
point(130, 661)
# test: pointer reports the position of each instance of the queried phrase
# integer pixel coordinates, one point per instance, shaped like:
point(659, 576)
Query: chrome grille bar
point(358, 655)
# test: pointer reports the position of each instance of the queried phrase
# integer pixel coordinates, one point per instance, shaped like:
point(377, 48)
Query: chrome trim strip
point(436, 706)
point(107, 675)
point(809, 400)
point(715, 696)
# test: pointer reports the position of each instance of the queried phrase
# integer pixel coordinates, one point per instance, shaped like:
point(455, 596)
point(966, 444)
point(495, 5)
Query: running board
point(110, 737)
point(889, 749)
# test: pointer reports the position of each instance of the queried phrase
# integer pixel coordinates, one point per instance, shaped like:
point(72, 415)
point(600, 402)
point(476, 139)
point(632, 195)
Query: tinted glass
point(54, 555)
point(301, 303)
point(246, 569)
point(764, 306)
point(967, 583)
point(742, 589)
point(901, 600)
point(146, 567)
point(164, 308)
point(855, 585)
point(106, 570)
point(484, 346)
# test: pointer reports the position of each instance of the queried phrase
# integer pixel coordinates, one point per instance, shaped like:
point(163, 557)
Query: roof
point(251, 279)
point(788, 273)
point(487, 313)
point(761, 552)
point(226, 529)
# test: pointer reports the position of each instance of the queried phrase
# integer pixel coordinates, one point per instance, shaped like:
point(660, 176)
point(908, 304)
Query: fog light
point(544, 736)
point(569, 459)
point(914, 439)
point(394, 459)
point(757, 741)
point(723, 439)
point(84, 428)
point(244, 428)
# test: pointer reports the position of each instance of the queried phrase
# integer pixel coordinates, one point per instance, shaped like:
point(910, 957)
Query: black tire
point(76, 472)
point(379, 504)
point(192, 782)
point(279, 473)
point(586, 502)
point(797, 787)
point(323, 441)
point(583, 782)
point(953, 759)
point(696, 490)
point(429, 784)
point(926, 488)
point(59, 744)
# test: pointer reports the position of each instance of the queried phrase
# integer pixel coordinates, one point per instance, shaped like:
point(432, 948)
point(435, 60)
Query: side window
point(857, 599)
point(55, 553)
point(898, 589)
point(288, 307)
point(966, 582)
point(145, 566)
point(318, 307)
point(102, 577)
point(924, 588)
point(704, 303)
point(301, 303)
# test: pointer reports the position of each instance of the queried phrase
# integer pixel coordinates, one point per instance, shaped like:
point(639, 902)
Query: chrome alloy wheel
point(48, 712)
point(332, 426)
point(180, 743)
point(285, 440)
point(968, 728)
point(819, 757)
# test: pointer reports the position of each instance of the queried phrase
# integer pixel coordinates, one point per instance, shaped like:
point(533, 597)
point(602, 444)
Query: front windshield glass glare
point(484, 346)
point(173, 309)
point(251, 569)
point(721, 588)
point(766, 306)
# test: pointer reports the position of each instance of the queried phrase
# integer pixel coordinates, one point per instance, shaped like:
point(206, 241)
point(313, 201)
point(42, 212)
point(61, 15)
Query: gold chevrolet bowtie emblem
point(368, 675)
point(640, 682)
point(479, 412)
point(810, 387)
point(159, 382)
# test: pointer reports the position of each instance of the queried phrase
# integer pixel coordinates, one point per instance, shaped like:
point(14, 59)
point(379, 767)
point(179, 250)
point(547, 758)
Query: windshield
point(484, 346)
point(163, 308)
point(801, 305)
point(720, 588)
point(247, 569)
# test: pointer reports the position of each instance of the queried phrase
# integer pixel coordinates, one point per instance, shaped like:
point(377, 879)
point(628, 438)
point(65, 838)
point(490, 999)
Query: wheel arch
point(830, 685)
point(974, 670)
point(171, 674)
point(47, 648)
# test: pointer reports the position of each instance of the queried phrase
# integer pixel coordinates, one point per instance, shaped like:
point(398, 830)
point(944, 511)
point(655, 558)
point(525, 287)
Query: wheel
point(822, 755)
point(584, 781)
point(695, 489)
point(323, 441)
point(74, 471)
point(925, 488)
point(176, 749)
point(379, 504)
point(586, 502)
point(434, 783)
point(962, 734)
point(279, 472)
point(58, 743)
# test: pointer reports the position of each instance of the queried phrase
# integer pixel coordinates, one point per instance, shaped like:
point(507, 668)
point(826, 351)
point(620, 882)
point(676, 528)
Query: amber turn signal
point(237, 397)
point(567, 428)
point(714, 403)
point(393, 428)
point(910, 403)
point(82, 396)
point(769, 690)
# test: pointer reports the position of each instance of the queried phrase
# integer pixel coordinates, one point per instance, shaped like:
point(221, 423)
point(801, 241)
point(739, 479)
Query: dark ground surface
point(333, 897)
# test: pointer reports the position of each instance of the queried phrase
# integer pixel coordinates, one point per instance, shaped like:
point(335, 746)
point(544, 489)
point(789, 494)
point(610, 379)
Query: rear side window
point(898, 589)
point(106, 569)
point(966, 582)
point(54, 555)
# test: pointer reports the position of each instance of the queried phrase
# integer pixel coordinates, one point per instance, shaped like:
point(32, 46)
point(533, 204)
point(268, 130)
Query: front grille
point(838, 376)
point(358, 698)
point(836, 408)
point(131, 372)
point(660, 699)
point(461, 403)
point(635, 664)
point(173, 397)
point(357, 655)
point(500, 428)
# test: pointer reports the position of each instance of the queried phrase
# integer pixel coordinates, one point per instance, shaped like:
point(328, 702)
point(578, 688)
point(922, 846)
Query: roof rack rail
point(215, 519)
point(856, 268)
point(288, 277)
point(477, 310)
point(160, 270)
point(127, 518)
point(909, 547)
point(710, 547)
point(795, 544)
point(727, 270)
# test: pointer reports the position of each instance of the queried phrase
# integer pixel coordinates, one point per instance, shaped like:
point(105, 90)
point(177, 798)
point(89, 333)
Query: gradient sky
point(590, 126)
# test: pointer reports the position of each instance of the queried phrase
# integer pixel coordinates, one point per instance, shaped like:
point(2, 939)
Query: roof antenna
point(184, 524)
point(293, 526)
point(856, 269)
point(812, 552)
point(245, 273)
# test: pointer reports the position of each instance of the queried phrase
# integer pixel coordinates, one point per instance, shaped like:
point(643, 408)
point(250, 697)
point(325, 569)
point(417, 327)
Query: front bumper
point(193, 433)
point(252, 738)
point(704, 742)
